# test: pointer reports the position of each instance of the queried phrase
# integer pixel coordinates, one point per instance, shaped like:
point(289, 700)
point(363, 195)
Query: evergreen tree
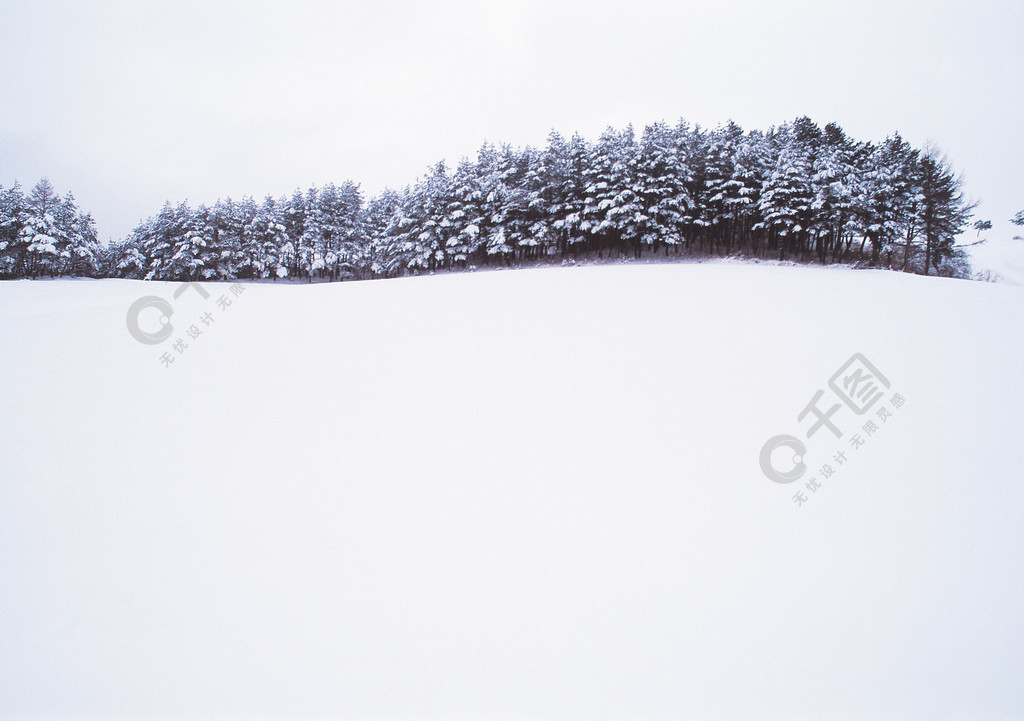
point(41, 239)
point(786, 195)
point(835, 183)
point(385, 256)
point(294, 254)
point(263, 238)
point(81, 256)
point(13, 212)
point(572, 195)
point(614, 211)
point(423, 220)
point(885, 205)
point(538, 187)
point(127, 259)
point(943, 212)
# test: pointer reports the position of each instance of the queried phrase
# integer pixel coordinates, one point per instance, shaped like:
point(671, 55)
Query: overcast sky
point(130, 104)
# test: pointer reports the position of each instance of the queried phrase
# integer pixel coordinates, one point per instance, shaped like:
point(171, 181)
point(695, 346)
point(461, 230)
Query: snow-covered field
point(524, 496)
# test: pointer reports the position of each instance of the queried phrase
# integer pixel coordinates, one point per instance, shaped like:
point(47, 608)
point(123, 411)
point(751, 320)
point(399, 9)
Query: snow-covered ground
point(530, 495)
point(1003, 257)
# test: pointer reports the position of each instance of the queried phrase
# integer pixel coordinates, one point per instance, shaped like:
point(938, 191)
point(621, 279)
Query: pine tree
point(262, 238)
point(539, 236)
point(885, 204)
point(943, 212)
point(81, 256)
point(572, 195)
point(786, 196)
point(661, 178)
point(13, 212)
point(463, 215)
point(835, 182)
point(352, 243)
point(126, 259)
point(191, 246)
point(385, 256)
point(695, 144)
point(41, 237)
point(614, 211)
point(293, 253)
point(730, 190)
point(422, 224)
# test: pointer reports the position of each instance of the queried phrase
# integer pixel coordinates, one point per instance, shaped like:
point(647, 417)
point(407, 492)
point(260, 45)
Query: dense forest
point(796, 192)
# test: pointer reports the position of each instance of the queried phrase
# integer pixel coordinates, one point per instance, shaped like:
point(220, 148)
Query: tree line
point(795, 192)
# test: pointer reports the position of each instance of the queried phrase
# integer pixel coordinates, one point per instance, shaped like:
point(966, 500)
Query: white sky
point(129, 104)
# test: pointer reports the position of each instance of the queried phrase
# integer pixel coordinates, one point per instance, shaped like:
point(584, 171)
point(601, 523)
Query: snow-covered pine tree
point(884, 206)
point(786, 196)
point(126, 258)
point(514, 205)
point(697, 148)
point(539, 236)
point(262, 237)
point(385, 255)
point(353, 245)
point(193, 254)
point(662, 176)
point(41, 237)
point(574, 161)
point(422, 214)
point(294, 253)
point(81, 256)
point(942, 213)
point(13, 211)
point(726, 194)
point(614, 212)
point(157, 239)
point(463, 217)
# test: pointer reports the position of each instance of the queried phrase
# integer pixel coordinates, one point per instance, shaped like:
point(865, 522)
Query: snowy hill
point(1004, 258)
point(514, 495)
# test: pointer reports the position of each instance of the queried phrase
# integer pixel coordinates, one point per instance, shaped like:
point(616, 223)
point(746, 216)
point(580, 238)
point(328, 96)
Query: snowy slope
point(1002, 257)
point(512, 495)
